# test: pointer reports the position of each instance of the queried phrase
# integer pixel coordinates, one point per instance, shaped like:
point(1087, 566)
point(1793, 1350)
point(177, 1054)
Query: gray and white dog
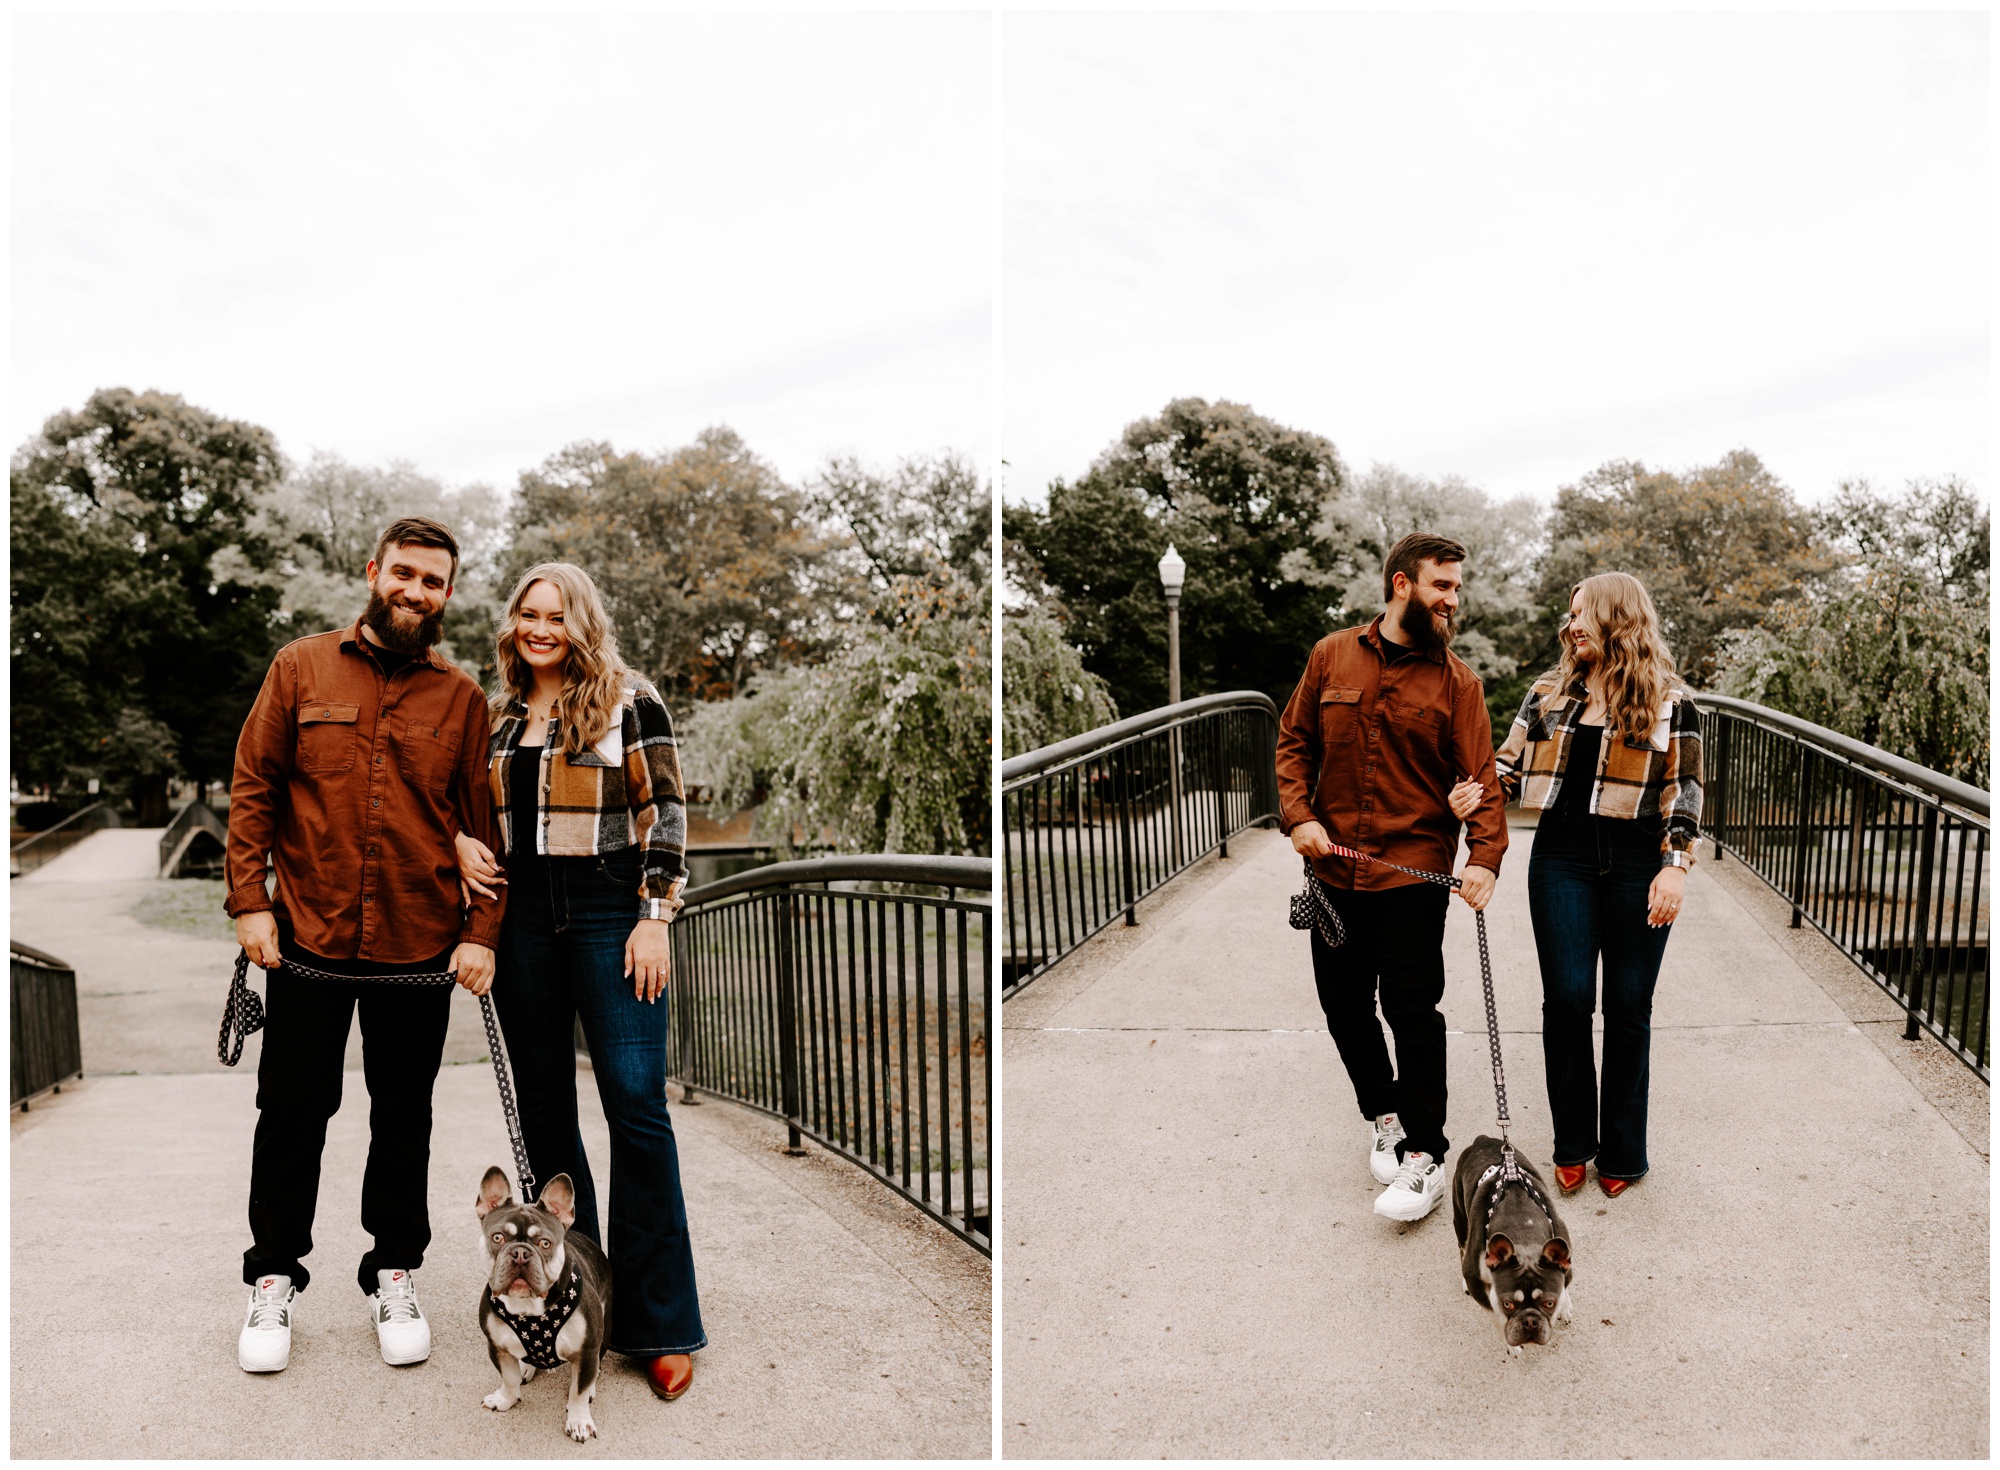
point(1517, 1248)
point(547, 1296)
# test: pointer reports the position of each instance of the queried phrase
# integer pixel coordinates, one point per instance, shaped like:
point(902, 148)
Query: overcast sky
point(1503, 246)
point(467, 240)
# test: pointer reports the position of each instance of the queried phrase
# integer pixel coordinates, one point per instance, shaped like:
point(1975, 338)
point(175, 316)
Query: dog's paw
point(527, 1371)
point(579, 1427)
point(1562, 1310)
point(1516, 1352)
point(500, 1401)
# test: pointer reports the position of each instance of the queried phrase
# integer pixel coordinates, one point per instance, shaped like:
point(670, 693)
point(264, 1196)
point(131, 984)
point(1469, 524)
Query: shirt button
point(365, 898)
point(376, 802)
point(378, 760)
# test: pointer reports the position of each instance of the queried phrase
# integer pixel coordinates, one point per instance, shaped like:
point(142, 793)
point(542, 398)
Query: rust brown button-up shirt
point(1370, 747)
point(354, 784)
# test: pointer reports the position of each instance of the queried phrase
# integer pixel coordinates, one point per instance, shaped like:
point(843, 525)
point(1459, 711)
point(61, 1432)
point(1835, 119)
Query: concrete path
point(115, 855)
point(841, 1322)
point(1192, 1266)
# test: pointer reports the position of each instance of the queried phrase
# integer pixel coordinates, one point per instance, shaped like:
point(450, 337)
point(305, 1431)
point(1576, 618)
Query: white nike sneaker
point(265, 1343)
point(1388, 1132)
point(1415, 1191)
point(399, 1322)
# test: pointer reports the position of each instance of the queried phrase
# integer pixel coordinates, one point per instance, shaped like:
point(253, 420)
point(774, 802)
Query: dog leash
point(243, 1014)
point(1510, 1169)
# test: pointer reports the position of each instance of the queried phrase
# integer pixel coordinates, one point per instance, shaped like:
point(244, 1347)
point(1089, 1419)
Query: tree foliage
point(1239, 496)
point(1047, 693)
point(120, 509)
point(1718, 547)
point(1893, 649)
point(707, 560)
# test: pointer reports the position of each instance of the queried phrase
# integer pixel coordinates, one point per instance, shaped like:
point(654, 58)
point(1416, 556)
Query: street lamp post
point(1173, 575)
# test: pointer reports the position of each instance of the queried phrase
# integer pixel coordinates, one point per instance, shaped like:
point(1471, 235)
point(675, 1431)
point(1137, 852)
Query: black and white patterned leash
point(1510, 1169)
point(243, 1014)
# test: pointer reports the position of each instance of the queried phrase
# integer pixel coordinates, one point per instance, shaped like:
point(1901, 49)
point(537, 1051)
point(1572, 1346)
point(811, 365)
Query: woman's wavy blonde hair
point(594, 678)
point(1638, 669)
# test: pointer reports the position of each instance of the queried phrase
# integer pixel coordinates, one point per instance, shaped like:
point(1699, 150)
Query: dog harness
point(537, 1331)
point(243, 1015)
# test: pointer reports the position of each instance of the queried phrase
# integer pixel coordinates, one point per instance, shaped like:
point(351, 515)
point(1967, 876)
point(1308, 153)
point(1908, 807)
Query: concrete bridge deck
point(1191, 1265)
point(841, 1321)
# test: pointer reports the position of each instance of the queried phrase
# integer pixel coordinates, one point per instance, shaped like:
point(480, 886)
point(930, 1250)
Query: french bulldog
point(547, 1296)
point(1521, 1255)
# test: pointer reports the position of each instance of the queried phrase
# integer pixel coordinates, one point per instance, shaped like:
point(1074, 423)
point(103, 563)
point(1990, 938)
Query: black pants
point(306, 1023)
point(1394, 949)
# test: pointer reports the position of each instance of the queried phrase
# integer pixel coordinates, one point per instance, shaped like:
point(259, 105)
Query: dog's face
point(524, 1243)
point(1526, 1290)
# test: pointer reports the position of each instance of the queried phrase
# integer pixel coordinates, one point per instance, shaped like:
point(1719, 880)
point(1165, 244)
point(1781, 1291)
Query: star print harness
point(538, 1331)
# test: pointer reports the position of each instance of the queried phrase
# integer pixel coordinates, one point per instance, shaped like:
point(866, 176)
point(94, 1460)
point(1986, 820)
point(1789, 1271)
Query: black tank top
point(524, 792)
point(1579, 774)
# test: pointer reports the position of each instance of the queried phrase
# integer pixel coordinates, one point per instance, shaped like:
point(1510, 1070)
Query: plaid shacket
point(624, 791)
point(1656, 774)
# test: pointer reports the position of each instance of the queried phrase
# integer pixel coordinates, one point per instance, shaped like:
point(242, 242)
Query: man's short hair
point(419, 531)
point(1413, 548)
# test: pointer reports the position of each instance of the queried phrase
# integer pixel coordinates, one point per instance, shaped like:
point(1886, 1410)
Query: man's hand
point(1309, 839)
point(258, 934)
point(1479, 884)
point(474, 963)
point(649, 958)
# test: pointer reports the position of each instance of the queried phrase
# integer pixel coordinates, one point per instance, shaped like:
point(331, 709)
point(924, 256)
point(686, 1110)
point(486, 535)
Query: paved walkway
point(841, 1322)
point(1192, 1266)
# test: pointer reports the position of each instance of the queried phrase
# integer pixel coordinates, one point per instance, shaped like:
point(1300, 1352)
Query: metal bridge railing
point(1888, 860)
point(46, 1043)
point(856, 1015)
point(31, 852)
point(1091, 825)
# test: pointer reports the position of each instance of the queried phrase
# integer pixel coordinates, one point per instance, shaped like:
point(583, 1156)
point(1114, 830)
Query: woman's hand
point(649, 958)
point(477, 868)
point(1464, 798)
point(1663, 899)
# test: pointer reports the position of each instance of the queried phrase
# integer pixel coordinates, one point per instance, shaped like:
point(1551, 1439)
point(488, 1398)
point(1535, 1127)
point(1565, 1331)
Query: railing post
point(1125, 834)
point(1799, 847)
point(1220, 726)
point(788, 1020)
point(1920, 975)
point(1718, 782)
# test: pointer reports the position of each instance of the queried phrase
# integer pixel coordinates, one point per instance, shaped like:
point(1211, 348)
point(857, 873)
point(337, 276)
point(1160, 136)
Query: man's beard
point(1421, 626)
point(400, 636)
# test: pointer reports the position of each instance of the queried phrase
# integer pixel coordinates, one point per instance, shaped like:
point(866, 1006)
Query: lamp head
point(1173, 571)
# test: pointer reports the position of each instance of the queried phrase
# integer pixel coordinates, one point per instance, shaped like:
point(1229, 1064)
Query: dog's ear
point(558, 1197)
point(1556, 1253)
point(494, 1191)
point(1499, 1252)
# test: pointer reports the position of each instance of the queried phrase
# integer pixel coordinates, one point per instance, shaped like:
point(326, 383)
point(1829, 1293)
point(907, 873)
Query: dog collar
point(538, 1332)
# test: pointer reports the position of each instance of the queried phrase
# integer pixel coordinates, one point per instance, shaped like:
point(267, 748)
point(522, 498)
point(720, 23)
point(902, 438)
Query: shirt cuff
point(251, 898)
point(664, 908)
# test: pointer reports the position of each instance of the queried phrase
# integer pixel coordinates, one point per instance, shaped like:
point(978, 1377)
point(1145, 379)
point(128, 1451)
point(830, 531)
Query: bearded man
point(1383, 720)
point(361, 761)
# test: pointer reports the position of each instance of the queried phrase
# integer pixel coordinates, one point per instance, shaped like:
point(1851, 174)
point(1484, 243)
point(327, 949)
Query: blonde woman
point(585, 775)
point(1607, 746)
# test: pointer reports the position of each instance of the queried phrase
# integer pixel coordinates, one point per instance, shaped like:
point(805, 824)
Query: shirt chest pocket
point(327, 736)
point(426, 753)
point(1339, 714)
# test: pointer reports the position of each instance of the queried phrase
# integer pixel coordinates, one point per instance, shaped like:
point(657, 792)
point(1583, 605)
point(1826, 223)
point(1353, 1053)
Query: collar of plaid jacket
point(608, 750)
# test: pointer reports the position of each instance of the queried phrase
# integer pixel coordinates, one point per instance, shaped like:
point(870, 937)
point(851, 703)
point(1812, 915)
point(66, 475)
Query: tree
point(1717, 547)
point(1893, 650)
point(885, 745)
point(1505, 635)
point(1046, 693)
point(1237, 494)
point(325, 518)
point(150, 488)
point(706, 559)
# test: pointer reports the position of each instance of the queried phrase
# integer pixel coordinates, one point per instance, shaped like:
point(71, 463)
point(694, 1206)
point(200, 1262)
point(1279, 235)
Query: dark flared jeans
point(1395, 951)
point(562, 958)
point(1587, 884)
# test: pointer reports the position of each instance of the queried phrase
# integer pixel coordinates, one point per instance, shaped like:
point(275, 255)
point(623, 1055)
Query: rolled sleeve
point(1681, 787)
point(659, 806)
